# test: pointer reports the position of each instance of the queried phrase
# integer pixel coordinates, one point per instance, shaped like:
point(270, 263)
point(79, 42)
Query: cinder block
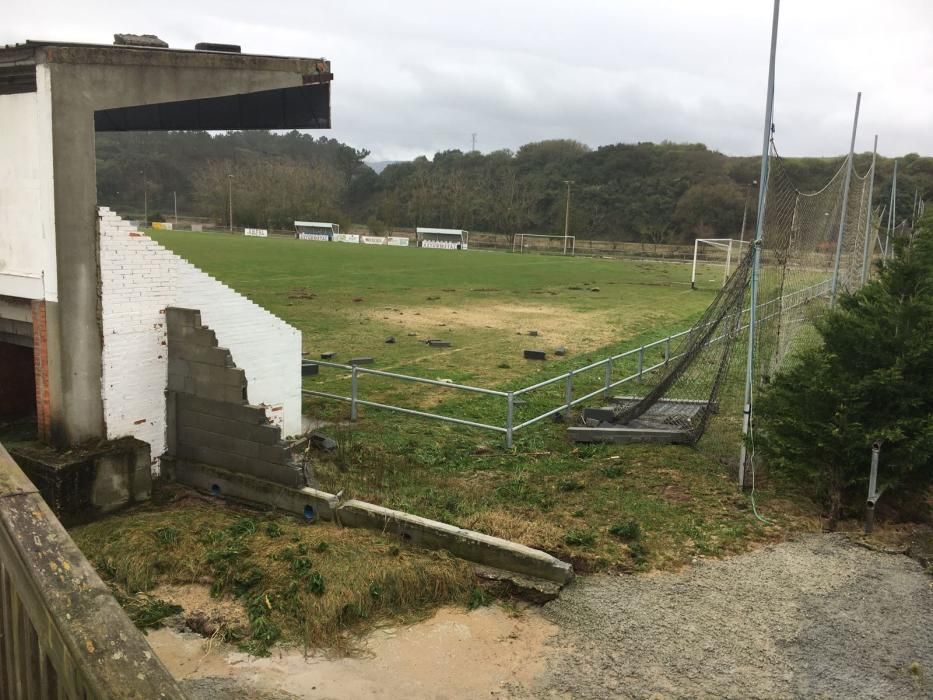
point(599, 414)
point(255, 415)
point(287, 475)
point(535, 355)
point(178, 316)
point(309, 369)
point(361, 361)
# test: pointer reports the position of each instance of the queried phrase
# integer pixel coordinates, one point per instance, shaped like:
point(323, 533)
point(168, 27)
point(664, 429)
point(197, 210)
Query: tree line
point(666, 192)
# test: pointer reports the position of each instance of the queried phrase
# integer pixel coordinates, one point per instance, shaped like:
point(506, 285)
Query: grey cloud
point(414, 76)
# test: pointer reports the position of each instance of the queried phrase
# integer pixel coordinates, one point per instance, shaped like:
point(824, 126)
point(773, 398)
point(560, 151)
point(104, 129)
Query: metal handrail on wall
point(510, 427)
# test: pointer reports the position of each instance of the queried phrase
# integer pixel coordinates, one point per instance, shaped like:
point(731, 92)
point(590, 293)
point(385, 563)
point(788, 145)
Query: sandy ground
point(455, 654)
point(820, 617)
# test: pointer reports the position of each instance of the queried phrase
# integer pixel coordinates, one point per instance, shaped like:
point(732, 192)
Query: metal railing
point(608, 365)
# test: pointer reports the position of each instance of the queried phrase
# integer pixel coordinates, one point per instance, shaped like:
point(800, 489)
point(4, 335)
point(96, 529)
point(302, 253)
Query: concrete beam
point(248, 489)
point(626, 435)
point(466, 544)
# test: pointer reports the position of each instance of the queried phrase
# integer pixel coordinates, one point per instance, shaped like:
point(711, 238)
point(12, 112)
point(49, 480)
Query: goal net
point(714, 259)
point(542, 243)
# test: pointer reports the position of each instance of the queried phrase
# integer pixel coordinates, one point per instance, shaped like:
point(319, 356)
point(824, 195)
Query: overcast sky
point(416, 76)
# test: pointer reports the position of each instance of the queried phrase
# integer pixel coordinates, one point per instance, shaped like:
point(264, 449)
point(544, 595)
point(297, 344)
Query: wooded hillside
point(648, 192)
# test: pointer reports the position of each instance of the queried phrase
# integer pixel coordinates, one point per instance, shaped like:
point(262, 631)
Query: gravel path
point(820, 617)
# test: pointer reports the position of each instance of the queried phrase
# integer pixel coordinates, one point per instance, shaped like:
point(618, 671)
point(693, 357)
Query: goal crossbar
point(726, 244)
point(568, 242)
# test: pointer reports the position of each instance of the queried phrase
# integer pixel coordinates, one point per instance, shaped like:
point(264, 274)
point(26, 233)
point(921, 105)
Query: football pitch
point(545, 492)
point(349, 299)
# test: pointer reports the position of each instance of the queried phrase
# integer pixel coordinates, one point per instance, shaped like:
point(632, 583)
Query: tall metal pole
point(567, 216)
point(866, 258)
point(175, 200)
point(759, 233)
point(745, 213)
point(230, 199)
point(845, 205)
point(887, 238)
point(145, 204)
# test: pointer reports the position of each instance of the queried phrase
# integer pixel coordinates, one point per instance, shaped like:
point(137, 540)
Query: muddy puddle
point(457, 654)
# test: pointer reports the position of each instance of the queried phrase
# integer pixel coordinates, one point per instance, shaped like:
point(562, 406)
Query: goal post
point(544, 243)
point(723, 249)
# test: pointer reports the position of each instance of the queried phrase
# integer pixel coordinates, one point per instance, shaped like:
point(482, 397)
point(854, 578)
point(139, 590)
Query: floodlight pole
point(759, 234)
point(866, 258)
point(230, 200)
point(745, 212)
point(175, 201)
point(567, 215)
point(887, 238)
point(845, 204)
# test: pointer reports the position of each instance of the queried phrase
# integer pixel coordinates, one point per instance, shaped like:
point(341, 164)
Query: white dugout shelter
point(444, 238)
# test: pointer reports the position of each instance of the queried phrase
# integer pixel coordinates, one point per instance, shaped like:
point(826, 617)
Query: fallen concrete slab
point(309, 503)
point(306, 502)
point(361, 361)
point(466, 544)
point(622, 434)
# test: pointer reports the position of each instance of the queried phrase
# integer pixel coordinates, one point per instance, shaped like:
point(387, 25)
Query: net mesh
point(799, 254)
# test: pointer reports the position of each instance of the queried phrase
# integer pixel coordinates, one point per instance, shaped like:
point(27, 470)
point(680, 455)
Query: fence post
point(641, 361)
point(667, 351)
point(353, 388)
point(568, 394)
point(872, 493)
point(608, 376)
point(509, 420)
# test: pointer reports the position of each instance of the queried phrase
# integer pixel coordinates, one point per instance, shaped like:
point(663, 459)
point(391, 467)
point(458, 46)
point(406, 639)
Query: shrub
point(871, 379)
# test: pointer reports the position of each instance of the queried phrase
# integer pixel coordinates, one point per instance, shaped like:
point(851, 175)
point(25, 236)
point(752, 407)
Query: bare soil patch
point(556, 324)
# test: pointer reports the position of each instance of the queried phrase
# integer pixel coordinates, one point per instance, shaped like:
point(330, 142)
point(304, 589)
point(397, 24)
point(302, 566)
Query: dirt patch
point(455, 655)
point(203, 613)
point(556, 324)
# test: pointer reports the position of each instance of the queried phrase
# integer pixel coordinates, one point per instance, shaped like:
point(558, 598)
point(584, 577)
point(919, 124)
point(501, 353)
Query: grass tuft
point(311, 585)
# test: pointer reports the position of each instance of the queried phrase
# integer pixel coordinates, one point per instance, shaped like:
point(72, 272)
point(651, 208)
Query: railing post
point(667, 351)
point(641, 361)
point(353, 391)
point(568, 394)
point(608, 376)
point(509, 420)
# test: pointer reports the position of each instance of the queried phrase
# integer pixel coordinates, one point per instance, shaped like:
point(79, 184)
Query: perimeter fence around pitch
point(560, 394)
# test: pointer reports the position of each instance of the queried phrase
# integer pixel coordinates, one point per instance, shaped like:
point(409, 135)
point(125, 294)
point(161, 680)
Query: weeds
point(314, 585)
point(580, 538)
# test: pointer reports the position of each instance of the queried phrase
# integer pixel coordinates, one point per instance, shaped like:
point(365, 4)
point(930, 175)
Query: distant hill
point(671, 192)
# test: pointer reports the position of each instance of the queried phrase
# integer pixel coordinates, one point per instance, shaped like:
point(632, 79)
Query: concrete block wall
point(139, 280)
point(209, 418)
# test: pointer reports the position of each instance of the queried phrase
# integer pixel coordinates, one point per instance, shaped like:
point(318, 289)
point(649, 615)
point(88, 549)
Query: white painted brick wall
point(139, 279)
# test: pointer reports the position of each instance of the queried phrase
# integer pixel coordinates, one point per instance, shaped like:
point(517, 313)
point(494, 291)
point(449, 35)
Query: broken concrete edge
point(466, 544)
point(470, 545)
point(622, 434)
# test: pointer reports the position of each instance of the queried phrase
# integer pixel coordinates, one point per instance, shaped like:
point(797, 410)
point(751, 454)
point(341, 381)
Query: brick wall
point(209, 418)
point(139, 280)
point(40, 360)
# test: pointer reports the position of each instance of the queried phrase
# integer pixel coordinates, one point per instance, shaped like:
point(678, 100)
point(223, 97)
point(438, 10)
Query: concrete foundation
point(81, 485)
